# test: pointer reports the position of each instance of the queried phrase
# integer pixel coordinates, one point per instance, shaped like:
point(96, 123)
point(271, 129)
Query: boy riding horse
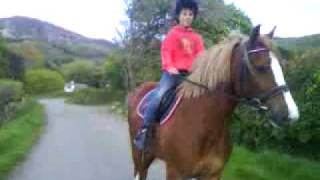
point(178, 51)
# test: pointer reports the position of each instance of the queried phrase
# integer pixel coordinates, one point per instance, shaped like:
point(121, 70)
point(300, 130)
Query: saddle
point(167, 106)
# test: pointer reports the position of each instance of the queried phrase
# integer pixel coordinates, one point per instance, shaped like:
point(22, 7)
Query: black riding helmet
point(186, 4)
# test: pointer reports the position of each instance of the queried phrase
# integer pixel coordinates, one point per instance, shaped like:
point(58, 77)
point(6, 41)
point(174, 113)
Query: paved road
point(81, 143)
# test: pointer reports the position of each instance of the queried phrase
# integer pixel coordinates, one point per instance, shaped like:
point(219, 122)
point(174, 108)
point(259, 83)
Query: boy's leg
point(167, 82)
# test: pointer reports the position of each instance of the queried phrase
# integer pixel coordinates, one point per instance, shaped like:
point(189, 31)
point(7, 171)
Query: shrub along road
point(81, 143)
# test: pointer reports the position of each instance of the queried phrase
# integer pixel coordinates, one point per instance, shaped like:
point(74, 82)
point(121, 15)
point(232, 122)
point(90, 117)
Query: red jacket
point(180, 48)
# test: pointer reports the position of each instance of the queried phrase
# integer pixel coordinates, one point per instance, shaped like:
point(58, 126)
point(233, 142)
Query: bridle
point(255, 102)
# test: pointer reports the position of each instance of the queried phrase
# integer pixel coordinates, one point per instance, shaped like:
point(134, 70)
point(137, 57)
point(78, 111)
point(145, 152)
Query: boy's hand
point(173, 71)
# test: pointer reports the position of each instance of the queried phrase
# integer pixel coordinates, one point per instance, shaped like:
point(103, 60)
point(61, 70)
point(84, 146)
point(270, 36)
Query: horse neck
point(205, 120)
point(208, 113)
point(217, 105)
point(225, 91)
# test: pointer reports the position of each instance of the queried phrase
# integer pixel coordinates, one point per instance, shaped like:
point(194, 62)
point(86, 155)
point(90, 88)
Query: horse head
point(262, 78)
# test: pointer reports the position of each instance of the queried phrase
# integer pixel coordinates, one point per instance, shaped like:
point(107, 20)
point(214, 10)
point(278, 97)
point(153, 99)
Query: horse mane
point(211, 67)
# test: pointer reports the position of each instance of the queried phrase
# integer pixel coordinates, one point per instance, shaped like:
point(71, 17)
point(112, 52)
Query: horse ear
point(255, 34)
point(271, 34)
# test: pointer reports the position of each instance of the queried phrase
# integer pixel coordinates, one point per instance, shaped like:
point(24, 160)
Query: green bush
point(11, 93)
point(14, 90)
point(304, 136)
point(43, 81)
point(83, 72)
point(89, 96)
point(11, 65)
point(114, 74)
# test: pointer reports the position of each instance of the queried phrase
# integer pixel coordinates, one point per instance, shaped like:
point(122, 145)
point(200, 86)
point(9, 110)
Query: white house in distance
point(71, 86)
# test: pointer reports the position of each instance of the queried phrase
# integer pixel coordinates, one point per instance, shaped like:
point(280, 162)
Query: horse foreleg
point(141, 164)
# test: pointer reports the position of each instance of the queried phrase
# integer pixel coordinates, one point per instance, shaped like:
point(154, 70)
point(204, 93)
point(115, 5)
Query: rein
point(256, 102)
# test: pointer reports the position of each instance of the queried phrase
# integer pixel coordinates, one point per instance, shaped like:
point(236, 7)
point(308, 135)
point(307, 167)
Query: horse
point(196, 143)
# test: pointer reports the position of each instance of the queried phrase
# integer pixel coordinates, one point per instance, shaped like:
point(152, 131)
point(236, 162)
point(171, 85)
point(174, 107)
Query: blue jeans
point(167, 82)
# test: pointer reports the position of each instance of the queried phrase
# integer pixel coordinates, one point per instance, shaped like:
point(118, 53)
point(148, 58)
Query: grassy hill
point(301, 43)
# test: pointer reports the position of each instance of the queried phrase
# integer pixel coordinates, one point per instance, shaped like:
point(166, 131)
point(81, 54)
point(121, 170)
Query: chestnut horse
point(195, 143)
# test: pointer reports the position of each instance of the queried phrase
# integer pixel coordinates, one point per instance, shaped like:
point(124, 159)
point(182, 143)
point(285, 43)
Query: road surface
point(81, 143)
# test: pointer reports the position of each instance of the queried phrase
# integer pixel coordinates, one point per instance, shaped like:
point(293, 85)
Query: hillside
point(51, 41)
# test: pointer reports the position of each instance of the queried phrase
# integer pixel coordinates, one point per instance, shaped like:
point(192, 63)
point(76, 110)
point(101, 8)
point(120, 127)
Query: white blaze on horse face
point(279, 78)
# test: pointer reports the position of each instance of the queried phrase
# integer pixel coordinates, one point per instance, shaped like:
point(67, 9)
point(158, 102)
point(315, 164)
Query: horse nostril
point(280, 119)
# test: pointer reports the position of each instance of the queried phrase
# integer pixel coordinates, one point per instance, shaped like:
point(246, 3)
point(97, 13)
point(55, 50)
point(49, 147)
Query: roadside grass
point(55, 94)
point(269, 165)
point(19, 134)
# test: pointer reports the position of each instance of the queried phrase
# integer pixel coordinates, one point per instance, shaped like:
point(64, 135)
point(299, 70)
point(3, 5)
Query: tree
point(149, 20)
point(114, 73)
point(11, 64)
point(84, 72)
point(43, 81)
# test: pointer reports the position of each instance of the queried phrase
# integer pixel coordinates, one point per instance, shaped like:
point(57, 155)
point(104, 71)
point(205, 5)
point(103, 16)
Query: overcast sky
point(92, 18)
point(101, 18)
point(292, 17)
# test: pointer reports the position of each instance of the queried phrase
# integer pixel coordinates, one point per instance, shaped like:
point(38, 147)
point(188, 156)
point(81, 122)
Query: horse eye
point(263, 69)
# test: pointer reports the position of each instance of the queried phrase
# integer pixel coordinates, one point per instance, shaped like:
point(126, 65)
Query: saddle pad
point(167, 113)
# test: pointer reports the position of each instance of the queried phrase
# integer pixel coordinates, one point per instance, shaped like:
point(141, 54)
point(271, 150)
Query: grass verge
point(268, 165)
point(18, 135)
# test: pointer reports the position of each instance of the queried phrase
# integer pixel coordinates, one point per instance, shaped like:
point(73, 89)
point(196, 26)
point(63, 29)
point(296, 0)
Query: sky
point(102, 18)
point(293, 18)
point(91, 18)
